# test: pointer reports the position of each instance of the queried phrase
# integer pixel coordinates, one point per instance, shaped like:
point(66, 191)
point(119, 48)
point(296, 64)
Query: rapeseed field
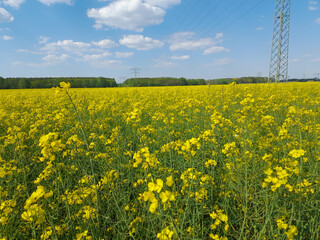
point(205, 162)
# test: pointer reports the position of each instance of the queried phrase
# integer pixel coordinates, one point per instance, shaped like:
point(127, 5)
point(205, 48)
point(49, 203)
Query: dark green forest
point(147, 82)
point(76, 82)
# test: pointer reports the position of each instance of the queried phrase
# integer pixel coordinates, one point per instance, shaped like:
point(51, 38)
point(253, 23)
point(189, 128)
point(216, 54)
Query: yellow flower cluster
point(87, 213)
point(220, 217)
point(166, 196)
point(144, 158)
point(6, 208)
point(192, 180)
point(165, 234)
point(34, 211)
point(297, 153)
point(277, 178)
point(291, 230)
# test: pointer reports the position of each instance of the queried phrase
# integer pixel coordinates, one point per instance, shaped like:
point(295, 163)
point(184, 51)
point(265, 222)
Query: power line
point(221, 13)
point(195, 13)
point(206, 15)
point(186, 16)
point(215, 24)
point(242, 15)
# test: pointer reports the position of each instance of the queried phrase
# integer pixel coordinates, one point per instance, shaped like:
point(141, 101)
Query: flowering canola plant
point(198, 162)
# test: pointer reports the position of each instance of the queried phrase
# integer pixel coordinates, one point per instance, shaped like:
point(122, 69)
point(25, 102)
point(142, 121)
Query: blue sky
point(178, 38)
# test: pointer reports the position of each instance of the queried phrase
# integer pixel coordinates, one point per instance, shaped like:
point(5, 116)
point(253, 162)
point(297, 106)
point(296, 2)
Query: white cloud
point(29, 51)
point(163, 3)
point(75, 47)
point(13, 3)
point(93, 52)
point(295, 60)
point(215, 49)
point(123, 54)
point(140, 42)
point(184, 57)
point(5, 16)
point(186, 41)
point(222, 61)
point(7, 38)
point(318, 21)
point(54, 59)
point(106, 43)
point(4, 29)
point(312, 8)
point(66, 46)
point(219, 35)
point(127, 14)
point(259, 28)
point(313, 5)
point(50, 2)
point(162, 63)
point(43, 39)
point(95, 57)
point(106, 64)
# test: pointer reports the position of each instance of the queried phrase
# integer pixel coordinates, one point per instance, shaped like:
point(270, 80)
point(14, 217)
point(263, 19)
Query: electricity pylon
point(278, 70)
point(135, 71)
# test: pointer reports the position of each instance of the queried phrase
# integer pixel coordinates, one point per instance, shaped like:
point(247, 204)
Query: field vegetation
point(193, 162)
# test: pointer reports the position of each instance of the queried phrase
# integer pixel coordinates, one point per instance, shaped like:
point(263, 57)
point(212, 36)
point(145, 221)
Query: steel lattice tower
point(280, 42)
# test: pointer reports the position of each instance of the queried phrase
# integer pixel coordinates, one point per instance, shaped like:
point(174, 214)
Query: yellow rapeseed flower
point(297, 153)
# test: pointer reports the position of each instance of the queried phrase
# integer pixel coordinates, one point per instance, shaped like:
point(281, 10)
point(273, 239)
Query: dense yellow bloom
point(6, 208)
point(291, 229)
point(155, 187)
point(148, 196)
point(210, 162)
point(167, 196)
point(154, 205)
point(83, 235)
point(35, 196)
point(216, 237)
point(281, 224)
point(165, 234)
point(145, 158)
point(34, 213)
point(297, 153)
point(291, 232)
point(169, 181)
point(220, 217)
point(65, 85)
point(87, 213)
point(46, 233)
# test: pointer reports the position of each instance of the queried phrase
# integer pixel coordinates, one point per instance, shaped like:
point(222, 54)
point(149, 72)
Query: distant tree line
point(164, 81)
point(304, 80)
point(242, 80)
point(101, 82)
point(76, 82)
point(247, 80)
